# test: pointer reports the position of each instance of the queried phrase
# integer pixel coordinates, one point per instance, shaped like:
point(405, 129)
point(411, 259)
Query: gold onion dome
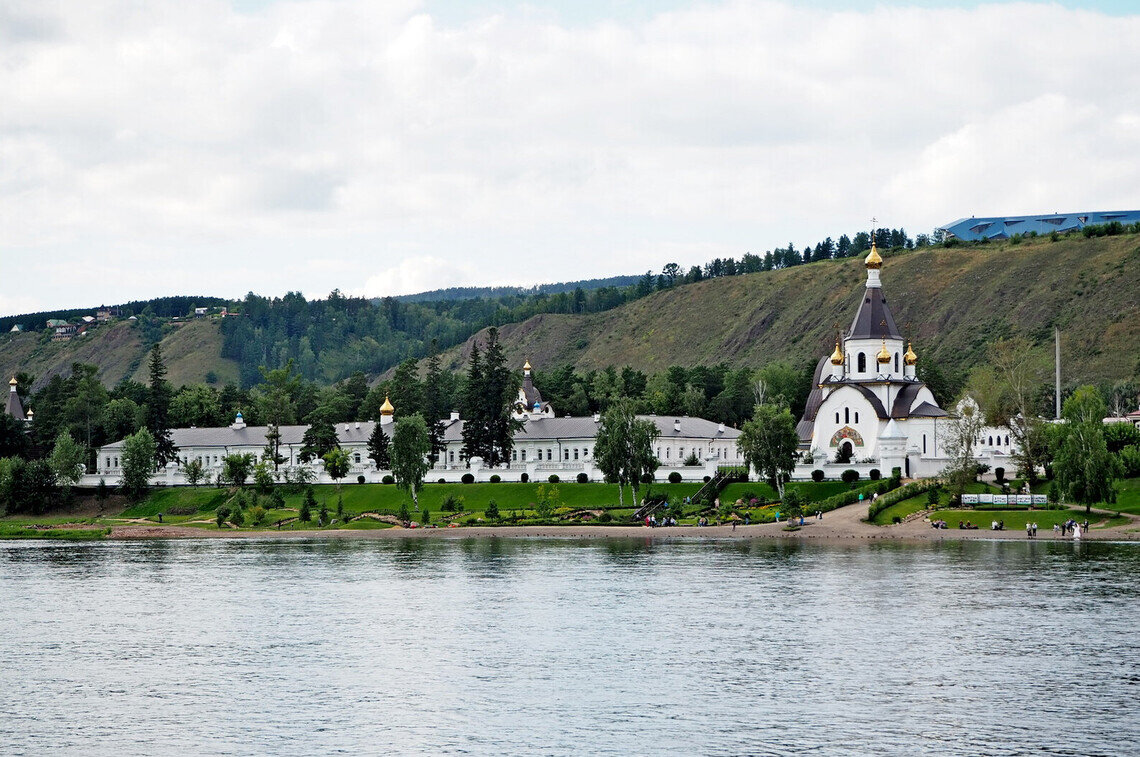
point(526, 366)
point(910, 358)
point(873, 259)
point(884, 356)
point(837, 356)
point(13, 382)
point(386, 408)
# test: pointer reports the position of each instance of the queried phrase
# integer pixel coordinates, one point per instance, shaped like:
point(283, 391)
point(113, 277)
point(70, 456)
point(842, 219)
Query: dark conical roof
point(14, 407)
point(870, 317)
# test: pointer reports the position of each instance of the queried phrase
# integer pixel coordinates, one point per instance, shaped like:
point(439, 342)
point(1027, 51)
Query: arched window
point(1007, 440)
point(924, 444)
point(862, 363)
point(856, 416)
point(896, 362)
point(356, 458)
point(836, 420)
point(991, 441)
point(846, 415)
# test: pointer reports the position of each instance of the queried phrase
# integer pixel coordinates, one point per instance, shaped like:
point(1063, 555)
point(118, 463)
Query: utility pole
point(1057, 372)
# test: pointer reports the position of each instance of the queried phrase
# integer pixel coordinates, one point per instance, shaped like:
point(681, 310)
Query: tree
point(379, 449)
point(336, 465)
point(319, 438)
point(435, 401)
point(489, 427)
point(961, 434)
point(410, 448)
point(1085, 469)
point(769, 443)
point(138, 461)
point(67, 462)
point(194, 472)
point(237, 467)
point(307, 504)
point(1019, 372)
point(158, 410)
point(623, 448)
point(197, 405)
point(13, 439)
point(122, 417)
point(405, 390)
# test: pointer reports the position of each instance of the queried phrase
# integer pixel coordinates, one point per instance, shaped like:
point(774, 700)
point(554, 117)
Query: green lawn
point(1127, 496)
point(1015, 520)
point(919, 502)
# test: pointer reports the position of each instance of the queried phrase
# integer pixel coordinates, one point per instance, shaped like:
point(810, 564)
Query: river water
point(547, 646)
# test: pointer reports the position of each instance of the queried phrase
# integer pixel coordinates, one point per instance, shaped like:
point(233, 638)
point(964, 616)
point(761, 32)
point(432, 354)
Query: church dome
point(13, 382)
point(873, 259)
point(386, 408)
point(526, 366)
point(884, 355)
point(837, 356)
point(910, 358)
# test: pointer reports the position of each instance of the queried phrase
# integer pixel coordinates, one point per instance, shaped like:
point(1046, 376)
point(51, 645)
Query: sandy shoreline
point(842, 525)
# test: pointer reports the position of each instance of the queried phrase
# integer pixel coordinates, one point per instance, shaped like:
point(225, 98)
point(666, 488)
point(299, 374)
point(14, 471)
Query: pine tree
point(158, 410)
point(378, 448)
point(435, 401)
point(474, 434)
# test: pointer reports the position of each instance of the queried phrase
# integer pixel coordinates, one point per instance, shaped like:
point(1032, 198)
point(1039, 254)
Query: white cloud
point(171, 147)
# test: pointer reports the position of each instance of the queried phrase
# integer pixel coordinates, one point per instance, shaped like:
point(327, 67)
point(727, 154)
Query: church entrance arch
point(847, 449)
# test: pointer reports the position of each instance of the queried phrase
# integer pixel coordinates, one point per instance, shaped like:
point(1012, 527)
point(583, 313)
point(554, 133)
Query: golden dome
point(884, 356)
point(910, 358)
point(873, 259)
point(13, 382)
point(526, 366)
point(386, 408)
point(837, 356)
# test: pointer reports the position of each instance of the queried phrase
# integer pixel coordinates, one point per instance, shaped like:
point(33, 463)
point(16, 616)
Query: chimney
point(597, 417)
point(720, 428)
point(454, 416)
point(677, 424)
point(358, 425)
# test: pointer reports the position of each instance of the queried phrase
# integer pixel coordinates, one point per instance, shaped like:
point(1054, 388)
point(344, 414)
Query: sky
point(219, 147)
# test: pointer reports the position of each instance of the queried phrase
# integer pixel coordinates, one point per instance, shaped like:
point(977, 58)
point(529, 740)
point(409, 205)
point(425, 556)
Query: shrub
point(898, 495)
point(439, 481)
point(495, 478)
point(999, 474)
point(849, 476)
point(706, 479)
point(792, 503)
point(237, 517)
point(692, 459)
point(257, 515)
point(674, 477)
point(605, 518)
point(524, 478)
point(1130, 460)
point(875, 474)
point(276, 500)
point(403, 514)
point(388, 479)
point(552, 478)
point(360, 479)
point(221, 514)
point(647, 478)
point(451, 504)
point(425, 514)
point(468, 478)
point(307, 505)
point(896, 519)
point(932, 495)
point(583, 478)
point(492, 511)
point(817, 475)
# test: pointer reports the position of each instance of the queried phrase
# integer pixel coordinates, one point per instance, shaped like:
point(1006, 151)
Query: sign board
point(1001, 499)
point(986, 498)
point(1040, 499)
point(1025, 499)
point(969, 499)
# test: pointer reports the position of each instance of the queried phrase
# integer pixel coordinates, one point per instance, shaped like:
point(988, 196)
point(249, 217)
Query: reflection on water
point(504, 646)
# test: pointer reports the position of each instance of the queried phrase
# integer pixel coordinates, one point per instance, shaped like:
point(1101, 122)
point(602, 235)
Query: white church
point(867, 408)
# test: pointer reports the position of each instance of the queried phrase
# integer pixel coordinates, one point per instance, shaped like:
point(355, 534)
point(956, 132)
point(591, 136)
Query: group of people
point(652, 522)
point(1031, 530)
point(1070, 528)
point(997, 525)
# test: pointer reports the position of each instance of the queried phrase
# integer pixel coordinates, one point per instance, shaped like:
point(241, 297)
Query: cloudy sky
point(155, 147)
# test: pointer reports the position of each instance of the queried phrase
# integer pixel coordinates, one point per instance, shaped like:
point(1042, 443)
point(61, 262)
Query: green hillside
point(952, 301)
point(191, 350)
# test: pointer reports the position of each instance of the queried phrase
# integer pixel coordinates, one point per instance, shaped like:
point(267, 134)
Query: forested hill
point(470, 293)
point(953, 302)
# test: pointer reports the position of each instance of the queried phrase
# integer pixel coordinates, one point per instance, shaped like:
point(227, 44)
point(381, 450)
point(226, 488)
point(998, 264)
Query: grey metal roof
point(927, 410)
point(869, 318)
point(1003, 227)
point(585, 427)
point(254, 436)
point(815, 398)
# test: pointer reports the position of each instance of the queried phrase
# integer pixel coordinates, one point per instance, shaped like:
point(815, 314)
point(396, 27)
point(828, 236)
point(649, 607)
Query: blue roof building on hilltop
point(1004, 227)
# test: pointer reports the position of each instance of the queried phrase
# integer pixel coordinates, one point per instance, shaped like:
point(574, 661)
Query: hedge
point(898, 495)
point(841, 500)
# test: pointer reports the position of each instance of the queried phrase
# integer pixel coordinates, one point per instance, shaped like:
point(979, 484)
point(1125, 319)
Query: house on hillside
point(16, 329)
point(104, 314)
point(61, 329)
